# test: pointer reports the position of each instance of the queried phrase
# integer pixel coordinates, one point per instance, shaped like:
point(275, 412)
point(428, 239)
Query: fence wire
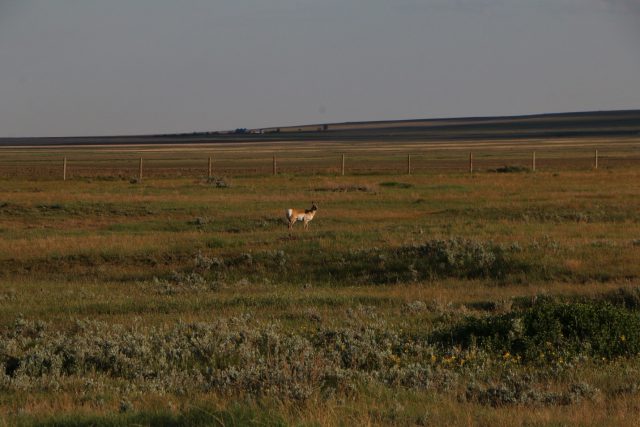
point(166, 164)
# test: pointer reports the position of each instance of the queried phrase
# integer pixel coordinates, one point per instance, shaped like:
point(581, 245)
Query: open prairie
point(503, 297)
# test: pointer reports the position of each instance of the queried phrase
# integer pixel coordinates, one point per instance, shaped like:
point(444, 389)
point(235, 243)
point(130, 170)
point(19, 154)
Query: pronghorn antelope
point(305, 216)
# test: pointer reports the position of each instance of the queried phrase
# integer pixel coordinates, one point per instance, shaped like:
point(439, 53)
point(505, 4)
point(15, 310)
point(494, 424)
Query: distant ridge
point(385, 124)
point(621, 123)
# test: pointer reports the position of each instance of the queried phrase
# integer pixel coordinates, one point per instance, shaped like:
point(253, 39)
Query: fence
point(49, 164)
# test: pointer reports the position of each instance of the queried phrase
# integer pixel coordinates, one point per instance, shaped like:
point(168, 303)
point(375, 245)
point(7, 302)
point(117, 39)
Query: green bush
point(550, 329)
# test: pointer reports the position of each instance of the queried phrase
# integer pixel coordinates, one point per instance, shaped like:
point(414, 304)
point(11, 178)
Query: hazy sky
point(102, 67)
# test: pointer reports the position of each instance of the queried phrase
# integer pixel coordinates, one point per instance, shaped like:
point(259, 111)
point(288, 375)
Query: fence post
point(275, 165)
point(210, 169)
point(408, 164)
point(64, 168)
point(533, 162)
point(596, 159)
point(470, 162)
point(140, 170)
point(343, 165)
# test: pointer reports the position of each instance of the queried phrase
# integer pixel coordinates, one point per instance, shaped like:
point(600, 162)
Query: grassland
point(439, 298)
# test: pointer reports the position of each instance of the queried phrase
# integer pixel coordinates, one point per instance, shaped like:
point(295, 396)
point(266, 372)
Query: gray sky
point(98, 67)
